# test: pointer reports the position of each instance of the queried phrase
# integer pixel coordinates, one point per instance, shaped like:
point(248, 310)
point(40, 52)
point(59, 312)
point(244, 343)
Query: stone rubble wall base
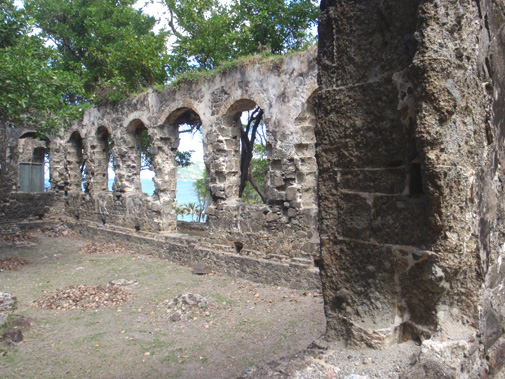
point(188, 250)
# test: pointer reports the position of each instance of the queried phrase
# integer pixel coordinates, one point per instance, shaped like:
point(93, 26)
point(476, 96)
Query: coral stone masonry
point(410, 148)
point(384, 172)
point(280, 236)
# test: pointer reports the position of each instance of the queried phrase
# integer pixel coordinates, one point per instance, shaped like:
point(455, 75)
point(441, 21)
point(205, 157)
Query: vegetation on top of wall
point(200, 75)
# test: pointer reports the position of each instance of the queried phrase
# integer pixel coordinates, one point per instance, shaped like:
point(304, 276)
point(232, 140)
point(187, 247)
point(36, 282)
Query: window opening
point(33, 151)
point(192, 196)
point(111, 172)
point(254, 155)
point(146, 160)
point(47, 172)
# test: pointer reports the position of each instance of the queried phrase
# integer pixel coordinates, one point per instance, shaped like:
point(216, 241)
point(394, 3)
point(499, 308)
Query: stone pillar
point(127, 158)
point(222, 158)
point(410, 136)
point(164, 148)
point(74, 158)
point(371, 226)
point(58, 166)
point(99, 161)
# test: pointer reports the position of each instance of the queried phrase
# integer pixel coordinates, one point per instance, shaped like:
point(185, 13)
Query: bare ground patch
point(242, 323)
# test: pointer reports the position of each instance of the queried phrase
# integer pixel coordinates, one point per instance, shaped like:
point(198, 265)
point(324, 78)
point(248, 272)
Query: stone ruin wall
point(283, 230)
point(410, 151)
point(410, 135)
point(20, 145)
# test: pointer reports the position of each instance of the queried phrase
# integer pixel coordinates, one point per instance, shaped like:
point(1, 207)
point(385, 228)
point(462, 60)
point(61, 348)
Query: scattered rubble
point(125, 283)
point(22, 322)
point(12, 263)
point(12, 336)
point(12, 329)
point(83, 297)
point(60, 230)
point(186, 303)
point(18, 237)
point(8, 302)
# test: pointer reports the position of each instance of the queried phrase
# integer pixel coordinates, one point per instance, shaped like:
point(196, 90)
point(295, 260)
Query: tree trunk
point(246, 153)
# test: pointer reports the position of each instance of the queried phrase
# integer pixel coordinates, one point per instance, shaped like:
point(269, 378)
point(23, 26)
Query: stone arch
point(128, 162)
point(165, 147)
point(223, 149)
point(76, 163)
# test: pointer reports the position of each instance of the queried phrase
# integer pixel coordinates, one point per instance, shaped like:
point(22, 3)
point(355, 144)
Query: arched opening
point(181, 144)
point(76, 160)
point(140, 174)
point(103, 161)
point(248, 121)
point(34, 174)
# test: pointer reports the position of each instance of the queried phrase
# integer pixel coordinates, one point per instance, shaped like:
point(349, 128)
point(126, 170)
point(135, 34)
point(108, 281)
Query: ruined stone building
point(408, 226)
point(275, 242)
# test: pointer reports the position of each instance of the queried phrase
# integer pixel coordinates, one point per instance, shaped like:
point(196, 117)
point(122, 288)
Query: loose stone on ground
point(8, 302)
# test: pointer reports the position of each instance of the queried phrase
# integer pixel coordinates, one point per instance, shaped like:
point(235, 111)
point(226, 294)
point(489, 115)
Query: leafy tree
point(108, 43)
point(191, 209)
point(277, 26)
point(33, 91)
point(208, 33)
point(180, 210)
point(203, 196)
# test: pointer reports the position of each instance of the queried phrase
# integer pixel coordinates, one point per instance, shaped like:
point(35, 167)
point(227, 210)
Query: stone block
point(373, 124)
point(354, 217)
point(292, 194)
point(401, 220)
point(492, 326)
point(497, 357)
point(387, 181)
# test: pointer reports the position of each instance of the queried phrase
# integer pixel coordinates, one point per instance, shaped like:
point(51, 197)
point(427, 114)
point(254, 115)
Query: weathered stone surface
point(286, 226)
point(410, 136)
point(429, 369)
point(8, 302)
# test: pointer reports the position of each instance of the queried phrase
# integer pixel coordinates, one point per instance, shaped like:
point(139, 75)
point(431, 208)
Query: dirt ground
point(244, 323)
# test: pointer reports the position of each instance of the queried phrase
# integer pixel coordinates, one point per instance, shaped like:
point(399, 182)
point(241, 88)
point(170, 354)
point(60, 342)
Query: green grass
point(94, 338)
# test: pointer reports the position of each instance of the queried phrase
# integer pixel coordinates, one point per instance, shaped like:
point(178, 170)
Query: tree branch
point(256, 186)
point(172, 25)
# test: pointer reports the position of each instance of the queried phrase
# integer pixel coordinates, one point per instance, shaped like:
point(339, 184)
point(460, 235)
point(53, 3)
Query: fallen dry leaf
point(18, 237)
point(12, 263)
point(83, 297)
point(103, 248)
